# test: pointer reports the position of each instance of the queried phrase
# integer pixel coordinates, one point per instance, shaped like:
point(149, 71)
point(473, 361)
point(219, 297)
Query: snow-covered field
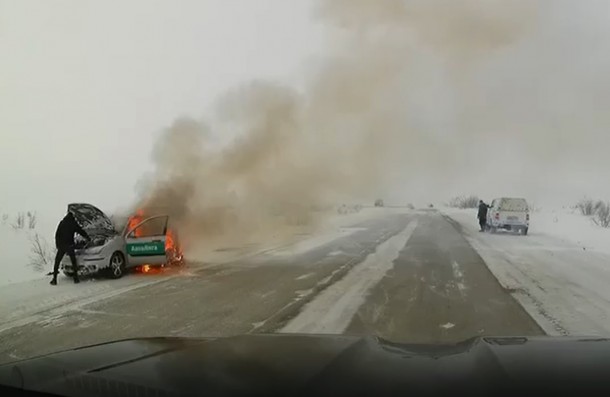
point(560, 272)
point(16, 251)
point(570, 226)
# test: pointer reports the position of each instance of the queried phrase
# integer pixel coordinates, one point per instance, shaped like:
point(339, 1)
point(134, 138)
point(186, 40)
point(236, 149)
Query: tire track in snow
point(332, 310)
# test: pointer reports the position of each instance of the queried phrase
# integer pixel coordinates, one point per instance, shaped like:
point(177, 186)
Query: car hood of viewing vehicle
point(307, 365)
point(92, 219)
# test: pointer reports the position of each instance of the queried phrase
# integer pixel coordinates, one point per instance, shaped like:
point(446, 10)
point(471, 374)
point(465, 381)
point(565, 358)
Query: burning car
point(144, 241)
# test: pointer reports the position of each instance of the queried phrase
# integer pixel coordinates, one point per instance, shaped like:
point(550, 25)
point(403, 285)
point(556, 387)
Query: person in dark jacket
point(64, 242)
point(482, 215)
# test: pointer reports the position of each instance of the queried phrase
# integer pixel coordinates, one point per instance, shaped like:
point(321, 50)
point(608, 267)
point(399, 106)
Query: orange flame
point(170, 243)
point(134, 220)
point(149, 269)
point(173, 249)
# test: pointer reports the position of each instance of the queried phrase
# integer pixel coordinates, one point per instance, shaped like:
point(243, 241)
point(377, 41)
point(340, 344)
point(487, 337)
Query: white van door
point(145, 243)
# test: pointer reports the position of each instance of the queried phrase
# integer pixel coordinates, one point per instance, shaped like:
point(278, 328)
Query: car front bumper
point(86, 264)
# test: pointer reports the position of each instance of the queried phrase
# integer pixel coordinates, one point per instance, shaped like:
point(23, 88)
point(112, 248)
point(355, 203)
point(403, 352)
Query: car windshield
point(419, 171)
point(512, 204)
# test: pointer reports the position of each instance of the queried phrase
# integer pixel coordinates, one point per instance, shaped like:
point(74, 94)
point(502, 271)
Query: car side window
point(151, 228)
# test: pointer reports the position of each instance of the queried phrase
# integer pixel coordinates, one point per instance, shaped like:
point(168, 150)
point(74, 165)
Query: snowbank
point(563, 224)
point(559, 273)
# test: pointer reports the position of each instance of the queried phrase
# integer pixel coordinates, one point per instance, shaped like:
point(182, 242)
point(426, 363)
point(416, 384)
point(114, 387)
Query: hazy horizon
point(495, 98)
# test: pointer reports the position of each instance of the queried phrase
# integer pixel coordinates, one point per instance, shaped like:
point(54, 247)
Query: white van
point(509, 214)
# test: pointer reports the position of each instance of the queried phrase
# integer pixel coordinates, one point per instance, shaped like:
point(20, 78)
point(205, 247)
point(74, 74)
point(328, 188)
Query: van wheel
point(116, 268)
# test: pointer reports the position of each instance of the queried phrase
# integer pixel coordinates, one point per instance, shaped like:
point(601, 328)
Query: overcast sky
point(86, 85)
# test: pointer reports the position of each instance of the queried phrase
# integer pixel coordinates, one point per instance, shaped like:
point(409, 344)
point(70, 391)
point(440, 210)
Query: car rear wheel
point(525, 230)
point(117, 266)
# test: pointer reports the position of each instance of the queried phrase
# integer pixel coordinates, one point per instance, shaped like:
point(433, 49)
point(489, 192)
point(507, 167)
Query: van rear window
point(513, 204)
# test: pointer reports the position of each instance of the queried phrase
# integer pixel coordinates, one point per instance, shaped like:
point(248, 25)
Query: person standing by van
point(482, 215)
point(64, 242)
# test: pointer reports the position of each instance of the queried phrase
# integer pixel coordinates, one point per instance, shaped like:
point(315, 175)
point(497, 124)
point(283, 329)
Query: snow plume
point(413, 97)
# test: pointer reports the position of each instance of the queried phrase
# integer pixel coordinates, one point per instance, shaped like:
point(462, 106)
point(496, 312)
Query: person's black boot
point(54, 281)
point(76, 280)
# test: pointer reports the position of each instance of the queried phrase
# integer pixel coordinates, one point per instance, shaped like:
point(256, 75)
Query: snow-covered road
point(404, 275)
point(25, 302)
point(560, 277)
point(400, 274)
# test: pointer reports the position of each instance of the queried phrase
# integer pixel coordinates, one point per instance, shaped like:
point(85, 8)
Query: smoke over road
point(416, 100)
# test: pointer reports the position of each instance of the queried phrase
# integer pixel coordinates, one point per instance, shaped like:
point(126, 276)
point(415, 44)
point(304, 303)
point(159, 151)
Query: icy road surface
point(417, 276)
point(403, 275)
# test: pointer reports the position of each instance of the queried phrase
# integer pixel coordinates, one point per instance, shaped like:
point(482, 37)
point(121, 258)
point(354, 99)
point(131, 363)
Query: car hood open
point(92, 219)
point(319, 365)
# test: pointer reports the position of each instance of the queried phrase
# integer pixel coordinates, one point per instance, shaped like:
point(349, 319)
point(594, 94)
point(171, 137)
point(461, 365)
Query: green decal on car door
point(146, 249)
